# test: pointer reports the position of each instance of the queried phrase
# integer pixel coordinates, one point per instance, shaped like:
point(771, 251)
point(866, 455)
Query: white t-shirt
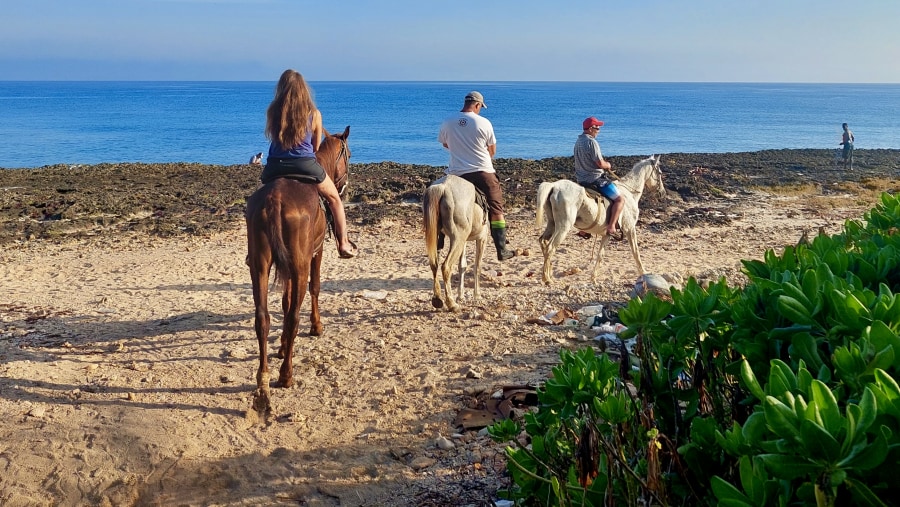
point(467, 136)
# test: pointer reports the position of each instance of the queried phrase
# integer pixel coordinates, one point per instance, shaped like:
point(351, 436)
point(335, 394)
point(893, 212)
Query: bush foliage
point(782, 392)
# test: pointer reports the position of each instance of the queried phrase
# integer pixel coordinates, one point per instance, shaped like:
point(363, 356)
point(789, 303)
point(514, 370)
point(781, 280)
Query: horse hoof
point(437, 302)
point(262, 403)
point(286, 383)
point(315, 330)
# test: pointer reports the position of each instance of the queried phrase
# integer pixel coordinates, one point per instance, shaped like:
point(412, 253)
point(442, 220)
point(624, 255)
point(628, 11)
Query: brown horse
point(286, 227)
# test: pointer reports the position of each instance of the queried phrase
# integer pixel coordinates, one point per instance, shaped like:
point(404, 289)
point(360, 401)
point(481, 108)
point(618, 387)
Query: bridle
point(343, 155)
point(657, 176)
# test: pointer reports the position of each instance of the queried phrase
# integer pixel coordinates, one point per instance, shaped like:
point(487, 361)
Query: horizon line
point(440, 81)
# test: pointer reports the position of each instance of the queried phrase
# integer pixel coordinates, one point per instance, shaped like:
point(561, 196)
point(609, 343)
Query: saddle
point(603, 203)
point(481, 200)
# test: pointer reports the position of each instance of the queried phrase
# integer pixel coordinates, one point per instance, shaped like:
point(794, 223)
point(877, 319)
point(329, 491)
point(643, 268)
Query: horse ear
point(346, 132)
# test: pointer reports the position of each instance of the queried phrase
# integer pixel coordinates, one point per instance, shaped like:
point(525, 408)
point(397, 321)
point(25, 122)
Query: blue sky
point(819, 41)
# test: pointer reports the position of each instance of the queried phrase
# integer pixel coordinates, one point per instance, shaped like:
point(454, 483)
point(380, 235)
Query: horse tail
point(431, 206)
point(543, 195)
point(284, 268)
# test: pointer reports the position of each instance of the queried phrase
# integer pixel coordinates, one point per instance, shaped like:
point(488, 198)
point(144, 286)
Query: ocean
point(49, 122)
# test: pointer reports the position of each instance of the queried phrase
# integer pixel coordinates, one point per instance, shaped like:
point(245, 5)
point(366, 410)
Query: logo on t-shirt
point(463, 122)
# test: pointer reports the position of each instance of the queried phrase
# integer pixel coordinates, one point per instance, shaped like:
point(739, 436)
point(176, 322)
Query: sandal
point(349, 254)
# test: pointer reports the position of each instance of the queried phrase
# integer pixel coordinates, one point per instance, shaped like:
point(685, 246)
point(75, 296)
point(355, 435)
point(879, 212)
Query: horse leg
point(563, 219)
point(632, 240)
point(596, 270)
point(457, 246)
point(286, 295)
point(479, 253)
point(434, 261)
point(259, 260)
point(315, 284)
point(462, 273)
point(291, 325)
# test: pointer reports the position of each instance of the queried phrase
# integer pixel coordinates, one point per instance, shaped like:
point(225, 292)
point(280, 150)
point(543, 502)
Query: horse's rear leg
point(595, 272)
point(434, 262)
point(457, 246)
point(315, 284)
point(295, 291)
point(259, 262)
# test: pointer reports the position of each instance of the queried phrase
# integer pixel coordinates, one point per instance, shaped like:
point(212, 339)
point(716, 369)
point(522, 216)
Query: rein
point(344, 154)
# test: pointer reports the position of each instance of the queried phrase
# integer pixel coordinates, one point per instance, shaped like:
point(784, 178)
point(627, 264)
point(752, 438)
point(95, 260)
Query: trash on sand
point(553, 318)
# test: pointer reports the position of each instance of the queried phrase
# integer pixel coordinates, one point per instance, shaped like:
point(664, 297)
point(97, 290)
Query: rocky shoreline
point(61, 202)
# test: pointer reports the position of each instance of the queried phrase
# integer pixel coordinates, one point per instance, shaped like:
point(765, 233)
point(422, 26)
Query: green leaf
point(868, 410)
point(827, 407)
point(866, 455)
point(862, 495)
point(750, 381)
point(819, 443)
point(728, 495)
point(795, 311)
point(804, 346)
point(781, 419)
point(790, 467)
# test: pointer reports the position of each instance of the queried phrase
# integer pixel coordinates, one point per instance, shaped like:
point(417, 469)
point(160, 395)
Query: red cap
point(591, 122)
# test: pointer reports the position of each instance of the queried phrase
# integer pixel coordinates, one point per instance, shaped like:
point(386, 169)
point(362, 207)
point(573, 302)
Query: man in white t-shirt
point(470, 139)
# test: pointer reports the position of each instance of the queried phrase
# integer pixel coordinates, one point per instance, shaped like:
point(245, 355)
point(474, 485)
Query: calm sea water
point(45, 123)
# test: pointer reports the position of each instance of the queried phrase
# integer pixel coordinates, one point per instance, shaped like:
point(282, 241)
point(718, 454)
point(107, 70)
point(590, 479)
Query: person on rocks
point(470, 139)
point(592, 171)
point(847, 143)
point(294, 127)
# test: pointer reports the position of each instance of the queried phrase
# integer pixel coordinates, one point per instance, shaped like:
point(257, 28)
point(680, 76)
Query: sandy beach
point(128, 357)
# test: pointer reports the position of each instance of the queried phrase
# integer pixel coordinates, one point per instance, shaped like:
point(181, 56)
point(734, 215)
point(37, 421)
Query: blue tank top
point(302, 150)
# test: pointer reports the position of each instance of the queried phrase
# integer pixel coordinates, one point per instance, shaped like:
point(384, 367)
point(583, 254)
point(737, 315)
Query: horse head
point(334, 156)
point(655, 179)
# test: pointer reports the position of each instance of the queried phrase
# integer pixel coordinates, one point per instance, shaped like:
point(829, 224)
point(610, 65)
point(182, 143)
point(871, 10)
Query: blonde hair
point(289, 116)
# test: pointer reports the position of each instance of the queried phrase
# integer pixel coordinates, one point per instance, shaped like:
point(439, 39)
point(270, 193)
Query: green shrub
point(694, 425)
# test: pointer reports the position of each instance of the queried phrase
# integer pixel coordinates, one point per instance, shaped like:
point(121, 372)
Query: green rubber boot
point(499, 235)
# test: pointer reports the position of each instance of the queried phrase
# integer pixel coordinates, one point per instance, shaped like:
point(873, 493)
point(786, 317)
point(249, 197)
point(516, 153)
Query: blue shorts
point(607, 189)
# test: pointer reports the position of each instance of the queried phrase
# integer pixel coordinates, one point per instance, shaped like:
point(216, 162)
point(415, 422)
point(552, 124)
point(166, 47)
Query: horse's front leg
point(479, 253)
point(632, 240)
point(315, 284)
point(462, 274)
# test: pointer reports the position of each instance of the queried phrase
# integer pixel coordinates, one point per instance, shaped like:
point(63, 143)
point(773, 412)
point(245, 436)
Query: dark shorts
point(306, 170)
point(489, 184)
point(848, 149)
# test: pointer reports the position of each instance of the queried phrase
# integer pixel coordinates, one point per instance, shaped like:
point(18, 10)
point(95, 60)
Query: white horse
point(566, 203)
point(449, 207)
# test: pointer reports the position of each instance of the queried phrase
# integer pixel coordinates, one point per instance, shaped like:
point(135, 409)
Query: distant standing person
point(591, 171)
point(294, 127)
point(470, 139)
point(847, 143)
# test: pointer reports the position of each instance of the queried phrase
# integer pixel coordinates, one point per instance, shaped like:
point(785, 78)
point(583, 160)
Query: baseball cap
point(591, 122)
point(476, 96)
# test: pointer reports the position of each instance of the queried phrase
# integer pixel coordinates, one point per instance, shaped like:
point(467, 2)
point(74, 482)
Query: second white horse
point(565, 204)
